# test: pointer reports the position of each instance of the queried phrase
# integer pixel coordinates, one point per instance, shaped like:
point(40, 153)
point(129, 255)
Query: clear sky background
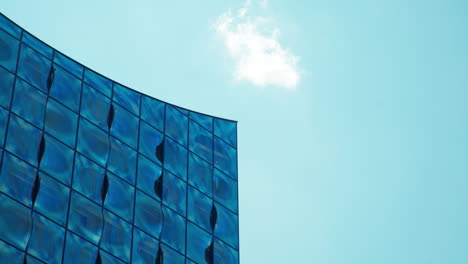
point(353, 115)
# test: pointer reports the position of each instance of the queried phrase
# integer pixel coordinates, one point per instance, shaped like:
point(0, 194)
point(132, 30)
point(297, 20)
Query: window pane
point(227, 226)
point(57, 160)
point(34, 68)
point(95, 106)
point(122, 160)
point(78, 250)
point(93, 142)
point(61, 122)
point(47, 240)
point(148, 173)
point(125, 126)
point(38, 45)
point(116, 236)
point(145, 248)
point(201, 142)
point(173, 230)
point(6, 87)
point(203, 120)
point(176, 125)
point(225, 254)
point(200, 174)
point(225, 190)
point(8, 51)
point(68, 64)
point(88, 177)
point(66, 88)
point(98, 82)
point(119, 198)
point(199, 208)
point(17, 178)
point(150, 139)
point(18, 130)
point(127, 98)
point(225, 158)
point(52, 199)
point(152, 111)
point(175, 158)
point(15, 223)
point(29, 103)
point(9, 254)
point(227, 130)
point(85, 218)
point(174, 192)
point(197, 242)
point(148, 214)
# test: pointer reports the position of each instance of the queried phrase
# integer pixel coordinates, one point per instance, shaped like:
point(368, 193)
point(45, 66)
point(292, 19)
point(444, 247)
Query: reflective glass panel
point(9, 254)
point(150, 139)
point(171, 256)
point(10, 27)
point(3, 125)
point(57, 160)
point(225, 190)
point(227, 130)
point(176, 125)
point(152, 111)
point(47, 240)
point(6, 87)
point(99, 82)
point(93, 142)
point(61, 123)
point(95, 106)
point(8, 51)
point(119, 197)
point(34, 68)
point(199, 208)
point(203, 120)
point(201, 142)
point(116, 236)
point(225, 254)
point(122, 160)
point(173, 230)
point(78, 250)
point(174, 192)
point(225, 158)
point(127, 98)
point(175, 158)
point(125, 126)
point(145, 248)
point(29, 103)
point(68, 64)
point(18, 130)
point(227, 226)
point(148, 173)
point(108, 258)
point(17, 178)
point(198, 241)
point(66, 88)
point(85, 218)
point(148, 214)
point(52, 199)
point(200, 174)
point(37, 45)
point(88, 177)
point(15, 222)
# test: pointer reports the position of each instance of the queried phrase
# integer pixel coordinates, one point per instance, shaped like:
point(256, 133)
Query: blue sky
point(352, 115)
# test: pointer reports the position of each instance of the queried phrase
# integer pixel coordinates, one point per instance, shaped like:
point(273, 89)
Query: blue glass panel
point(57, 160)
point(85, 218)
point(10, 27)
point(66, 88)
point(201, 142)
point(148, 173)
point(18, 130)
point(38, 45)
point(17, 178)
point(88, 178)
point(9, 254)
point(225, 254)
point(145, 248)
point(225, 190)
point(61, 122)
point(99, 82)
point(127, 98)
point(125, 126)
point(174, 193)
point(152, 111)
point(122, 160)
point(225, 158)
point(175, 158)
point(8, 51)
point(171, 256)
point(95, 106)
point(78, 250)
point(52, 199)
point(6, 86)
point(47, 240)
point(18, 220)
point(199, 208)
point(120, 197)
point(33, 260)
point(93, 142)
point(148, 214)
point(181, 110)
point(29, 103)
point(173, 230)
point(227, 226)
point(109, 259)
point(3, 125)
point(176, 125)
point(227, 130)
point(34, 68)
point(203, 120)
point(68, 64)
point(150, 139)
point(197, 241)
point(188, 261)
point(116, 236)
point(200, 174)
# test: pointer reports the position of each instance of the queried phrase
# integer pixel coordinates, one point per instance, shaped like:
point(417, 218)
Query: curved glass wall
point(94, 172)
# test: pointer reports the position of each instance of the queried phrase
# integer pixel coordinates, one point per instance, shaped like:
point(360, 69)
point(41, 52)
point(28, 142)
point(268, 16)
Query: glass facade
point(94, 172)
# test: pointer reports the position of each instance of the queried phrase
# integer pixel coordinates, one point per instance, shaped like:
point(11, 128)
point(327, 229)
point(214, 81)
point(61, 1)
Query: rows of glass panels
point(93, 171)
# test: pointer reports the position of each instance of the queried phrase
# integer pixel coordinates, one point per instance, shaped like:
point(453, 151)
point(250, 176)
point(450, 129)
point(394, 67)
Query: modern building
point(94, 172)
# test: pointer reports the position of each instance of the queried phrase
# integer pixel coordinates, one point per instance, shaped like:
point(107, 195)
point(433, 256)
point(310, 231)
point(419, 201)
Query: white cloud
point(258, 56)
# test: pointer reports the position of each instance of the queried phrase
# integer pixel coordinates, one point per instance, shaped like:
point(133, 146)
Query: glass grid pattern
point(94, 172)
